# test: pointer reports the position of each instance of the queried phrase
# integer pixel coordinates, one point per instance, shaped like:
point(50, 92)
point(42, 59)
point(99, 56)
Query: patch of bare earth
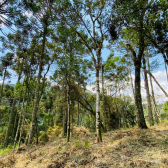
point(121, 148)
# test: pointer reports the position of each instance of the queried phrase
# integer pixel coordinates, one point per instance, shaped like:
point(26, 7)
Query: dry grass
point(122, 148)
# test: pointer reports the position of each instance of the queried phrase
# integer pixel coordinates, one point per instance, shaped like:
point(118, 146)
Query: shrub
point(44, 137)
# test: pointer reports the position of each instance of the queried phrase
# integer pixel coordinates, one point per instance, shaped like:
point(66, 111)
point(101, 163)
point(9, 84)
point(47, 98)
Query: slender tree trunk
point(151, 121)
point(71, 124)
point(36, 100)
point(16, 120)
point(153, 95)
point(103, 99)
point(35, 109)
point(9, 124)
point(22, 124)
point(118, 112)
point(78, 115)
point(132, 85)
point(52, 118)
point(72, 109)
point(19, 124)
point(68, 112)
point(158, 83)
point(2, 86)
point(99, 136)
point(36, 131)
point(65, 121)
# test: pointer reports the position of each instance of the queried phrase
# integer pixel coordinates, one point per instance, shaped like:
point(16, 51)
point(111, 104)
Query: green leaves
point(166, 107)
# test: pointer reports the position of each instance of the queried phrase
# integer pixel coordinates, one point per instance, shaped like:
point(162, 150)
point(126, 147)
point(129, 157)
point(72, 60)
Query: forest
point(56, 50)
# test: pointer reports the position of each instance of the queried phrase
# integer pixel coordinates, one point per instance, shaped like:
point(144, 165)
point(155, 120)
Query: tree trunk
point(68, 112)
point(153, 95)
point(151, 121)
point(99, 136)
point(78, 115)
point(158, 83)
point(15, 125)
point(22, 124)
point(19, 125)
point(36, 100)
point(65, 122)
point(103, 99)
point(35, 109)
point(36, 131)
point(2, 86)
point(72, 109)
point(138, 100)
point(132, 86)
point(9, 124)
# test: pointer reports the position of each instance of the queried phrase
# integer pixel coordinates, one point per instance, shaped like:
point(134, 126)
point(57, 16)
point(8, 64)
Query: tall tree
point(90, 15)
point(132, 20)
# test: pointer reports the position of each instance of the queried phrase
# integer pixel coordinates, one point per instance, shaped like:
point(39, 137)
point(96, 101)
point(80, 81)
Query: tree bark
point(99, 136)
point(19, 125)
point(22, 124)
point(138, 99)
point(103, 99)
point(68, 113)
point(65, 121)
point(78, 115)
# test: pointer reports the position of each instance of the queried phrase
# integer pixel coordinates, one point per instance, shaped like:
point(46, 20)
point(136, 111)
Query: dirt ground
point(120, 149)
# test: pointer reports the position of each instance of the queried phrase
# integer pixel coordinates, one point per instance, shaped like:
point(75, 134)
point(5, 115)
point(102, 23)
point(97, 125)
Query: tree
point(156, 27)
point(134, 21)
point(69, 66)
point(90, 15)
point(41, 58)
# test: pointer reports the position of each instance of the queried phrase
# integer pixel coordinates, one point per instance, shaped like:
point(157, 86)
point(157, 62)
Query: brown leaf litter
point(120, 148)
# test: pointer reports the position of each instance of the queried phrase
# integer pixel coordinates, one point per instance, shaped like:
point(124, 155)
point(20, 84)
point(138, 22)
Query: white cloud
point(162, 80)
point(91, 88)
point(2, 16)
point(28, 14)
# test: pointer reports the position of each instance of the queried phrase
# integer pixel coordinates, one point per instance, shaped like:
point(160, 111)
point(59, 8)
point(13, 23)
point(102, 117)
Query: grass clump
point(86, 144)
point(78, 131)
point(54, 131)
point(44, 137)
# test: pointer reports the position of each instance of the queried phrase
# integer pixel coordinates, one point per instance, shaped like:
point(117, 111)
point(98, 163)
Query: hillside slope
point(121, 148)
